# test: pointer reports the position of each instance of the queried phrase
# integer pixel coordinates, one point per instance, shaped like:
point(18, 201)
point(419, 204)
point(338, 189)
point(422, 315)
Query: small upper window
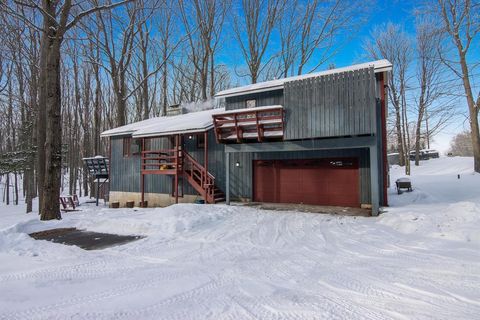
point(126, 146)
point(147, 145)
point(200, 141)
point(250, 103)
point(136, 147)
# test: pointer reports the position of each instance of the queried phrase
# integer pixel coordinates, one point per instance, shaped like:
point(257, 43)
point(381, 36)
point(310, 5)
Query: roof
point(264, 108)
point(192, 122)
point(379, 66)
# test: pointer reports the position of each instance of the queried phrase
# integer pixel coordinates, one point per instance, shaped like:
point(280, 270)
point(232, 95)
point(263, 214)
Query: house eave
point(172, 133)
point(278, 84)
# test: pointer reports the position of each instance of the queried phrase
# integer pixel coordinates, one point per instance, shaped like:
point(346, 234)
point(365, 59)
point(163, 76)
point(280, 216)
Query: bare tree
point(203, 36)
point(119, 52)
point(392, 43)
point(461, 145)
point(431, 89)
point(259, 18)
point(165, 27)
point(58, 18)
point(460, 26)
point(310, 29)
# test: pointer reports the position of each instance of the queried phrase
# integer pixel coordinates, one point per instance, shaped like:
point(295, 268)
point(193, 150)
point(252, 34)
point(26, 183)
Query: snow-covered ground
point(418, 260)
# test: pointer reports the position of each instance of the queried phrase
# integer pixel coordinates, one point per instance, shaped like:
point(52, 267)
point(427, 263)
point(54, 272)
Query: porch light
point(190, 137)
point(237, 164)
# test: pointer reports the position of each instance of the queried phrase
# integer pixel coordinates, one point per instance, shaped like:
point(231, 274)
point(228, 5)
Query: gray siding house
point(315, 139)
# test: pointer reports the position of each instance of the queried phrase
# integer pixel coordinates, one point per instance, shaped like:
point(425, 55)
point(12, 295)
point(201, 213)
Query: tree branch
point(93, 10)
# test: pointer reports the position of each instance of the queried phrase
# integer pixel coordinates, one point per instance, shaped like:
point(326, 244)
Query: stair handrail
point(207, 180)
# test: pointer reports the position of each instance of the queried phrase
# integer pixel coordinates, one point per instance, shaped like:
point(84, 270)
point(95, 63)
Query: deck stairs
point(179, 162)
point(201, 180)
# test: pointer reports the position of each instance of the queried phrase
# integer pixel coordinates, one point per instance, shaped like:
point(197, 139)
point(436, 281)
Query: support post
point(142, 176)
point(383, 106)
point(98, 190)
point(205, 154)
point(176, 167)
point(227, 178)
point(205, 164)
point(374, 188)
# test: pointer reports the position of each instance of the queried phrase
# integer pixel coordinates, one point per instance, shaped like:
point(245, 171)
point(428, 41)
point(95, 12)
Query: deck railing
point(165, 161)
point(254, 124)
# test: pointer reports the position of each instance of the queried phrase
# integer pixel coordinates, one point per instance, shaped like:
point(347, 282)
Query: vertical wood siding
point(268, 98)
point(335, 105)
point(125, 171)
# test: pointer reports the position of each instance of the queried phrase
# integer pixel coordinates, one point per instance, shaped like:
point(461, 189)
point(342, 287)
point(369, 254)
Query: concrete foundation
point(154, 199)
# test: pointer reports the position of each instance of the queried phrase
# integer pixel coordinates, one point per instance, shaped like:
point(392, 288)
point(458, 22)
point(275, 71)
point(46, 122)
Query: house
point(315, 139)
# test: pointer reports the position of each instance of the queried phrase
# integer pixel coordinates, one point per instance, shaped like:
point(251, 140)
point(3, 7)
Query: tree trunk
point(417, 141)
point(30, 186)
point(212, 75)
point(16, 188)
point(53, 138)
point(7, 189)
point(144, 38)
point(164, 81)
point(42, 115)
point(406, 136)
point(398, 128)
point(473, 109)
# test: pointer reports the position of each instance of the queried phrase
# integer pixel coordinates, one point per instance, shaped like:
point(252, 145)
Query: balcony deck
point(260, 124)
point(167, 161)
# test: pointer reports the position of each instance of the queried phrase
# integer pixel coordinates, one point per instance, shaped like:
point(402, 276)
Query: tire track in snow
point(49, 310)
point(200, 295)
point(91, 269)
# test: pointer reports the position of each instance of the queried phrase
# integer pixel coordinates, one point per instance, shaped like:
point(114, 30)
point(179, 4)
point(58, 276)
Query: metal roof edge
point(378, 65)
point(169, 133)
point(105, 134)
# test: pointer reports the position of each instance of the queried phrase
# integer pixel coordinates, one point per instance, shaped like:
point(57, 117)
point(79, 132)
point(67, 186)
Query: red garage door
point(333, 182)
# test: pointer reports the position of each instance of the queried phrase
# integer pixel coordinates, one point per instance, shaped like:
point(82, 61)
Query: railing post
point(205, 156)
point(176, 168)
point(259, 138)
point(142, 176)
point(237, 130)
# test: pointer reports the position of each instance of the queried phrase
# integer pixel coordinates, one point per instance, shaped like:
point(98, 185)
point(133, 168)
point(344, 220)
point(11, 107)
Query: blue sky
point(399, 12)
point(382, 12)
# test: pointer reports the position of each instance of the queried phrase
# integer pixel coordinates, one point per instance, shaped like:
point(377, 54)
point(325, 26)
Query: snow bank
point(418, 260)
point(441, 205)
point(166, 221)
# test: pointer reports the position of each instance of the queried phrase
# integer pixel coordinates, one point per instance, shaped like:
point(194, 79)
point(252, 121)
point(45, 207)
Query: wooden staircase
point(201, 180)
point(177, 162)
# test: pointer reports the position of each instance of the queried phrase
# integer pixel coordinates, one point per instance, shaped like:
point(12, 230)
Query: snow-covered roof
point(264, 108)
point(163, 126)
point(379, 66)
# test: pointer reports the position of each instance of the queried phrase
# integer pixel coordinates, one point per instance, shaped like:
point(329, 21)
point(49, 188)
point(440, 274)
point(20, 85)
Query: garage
point(333, 181)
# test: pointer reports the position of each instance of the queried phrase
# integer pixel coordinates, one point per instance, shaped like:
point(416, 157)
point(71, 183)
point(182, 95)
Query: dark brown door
point(316, 181)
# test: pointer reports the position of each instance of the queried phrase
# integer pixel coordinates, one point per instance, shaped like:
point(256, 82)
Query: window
point(126, 146)
point(136, 147)
point(147, 144)
point(200, 141)
point(250, 103)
